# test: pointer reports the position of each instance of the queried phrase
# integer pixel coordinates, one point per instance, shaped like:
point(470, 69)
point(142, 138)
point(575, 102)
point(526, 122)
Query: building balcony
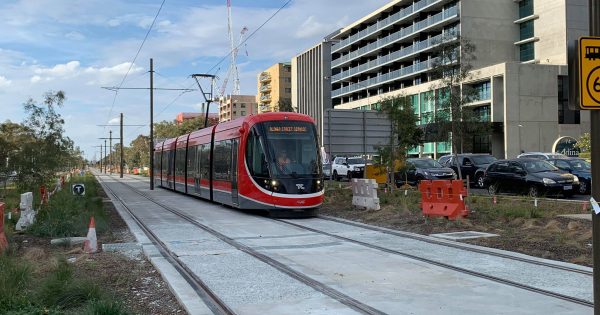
point(380, 25)
point(265, 98)
point(384, 78)
point(265, 77)
point(395, 56)
point(441, 17)
point(265, 88)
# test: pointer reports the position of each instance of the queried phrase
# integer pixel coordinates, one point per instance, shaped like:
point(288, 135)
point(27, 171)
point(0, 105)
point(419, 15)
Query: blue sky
point(78, 46)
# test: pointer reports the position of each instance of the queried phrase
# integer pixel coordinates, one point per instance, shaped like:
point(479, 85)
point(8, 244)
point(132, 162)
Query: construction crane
point(232, 72)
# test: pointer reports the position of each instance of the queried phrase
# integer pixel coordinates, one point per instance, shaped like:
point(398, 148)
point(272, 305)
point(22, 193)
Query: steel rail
point(212, 300)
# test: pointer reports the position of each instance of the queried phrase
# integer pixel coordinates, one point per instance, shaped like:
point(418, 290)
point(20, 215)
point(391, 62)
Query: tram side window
point(191, 161)
point(165, 162)
point(156, 162)
point(180, 162)
point(255, 156)
point(204, 157)
point(222, 160)
point(171, 162)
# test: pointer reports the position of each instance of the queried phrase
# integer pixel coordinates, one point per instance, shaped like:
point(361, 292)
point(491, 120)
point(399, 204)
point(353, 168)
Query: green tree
point(49, 151)
point(584, 143)
point(285, 105)
point(454, 120)
point(138, 152)
point(170, 129)
point(405, 133)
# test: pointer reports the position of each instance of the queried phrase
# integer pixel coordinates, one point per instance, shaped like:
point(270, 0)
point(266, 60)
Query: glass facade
point(526, 52)
point(526, 30)
point(525, 8)
point(483, 91)
point(565, 114)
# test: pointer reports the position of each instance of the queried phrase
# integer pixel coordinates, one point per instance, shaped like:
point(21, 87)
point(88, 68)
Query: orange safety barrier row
point(443, 198)
point(3, 240)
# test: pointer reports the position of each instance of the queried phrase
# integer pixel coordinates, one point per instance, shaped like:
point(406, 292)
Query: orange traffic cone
point(90, 245)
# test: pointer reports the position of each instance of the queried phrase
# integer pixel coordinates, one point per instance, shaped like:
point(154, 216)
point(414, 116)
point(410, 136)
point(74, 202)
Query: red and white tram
point(268, 161)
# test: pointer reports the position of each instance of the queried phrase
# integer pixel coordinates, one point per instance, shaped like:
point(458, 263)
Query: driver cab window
point(255, 156)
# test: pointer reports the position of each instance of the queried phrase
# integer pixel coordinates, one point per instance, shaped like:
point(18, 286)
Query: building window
point(526, 52)
point(288, 90)
point(565, 114)
point(526, 30)
point(243, 105)
point(483, 91)
point(482, 144)
point(525, 8)
point(483, 113)
point(243, 113)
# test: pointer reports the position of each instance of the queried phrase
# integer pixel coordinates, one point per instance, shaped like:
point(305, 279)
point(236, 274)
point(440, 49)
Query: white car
point(348, 167)
point(541, 156)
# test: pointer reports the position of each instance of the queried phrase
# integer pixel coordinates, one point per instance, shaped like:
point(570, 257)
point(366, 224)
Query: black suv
point(472, 165)
point(422, 169)
point(532, 176)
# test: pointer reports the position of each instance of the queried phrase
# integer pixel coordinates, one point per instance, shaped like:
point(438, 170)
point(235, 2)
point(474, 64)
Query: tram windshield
point(291, 148)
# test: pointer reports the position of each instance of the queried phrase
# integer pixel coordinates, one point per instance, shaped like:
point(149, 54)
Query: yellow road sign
point(589, 72)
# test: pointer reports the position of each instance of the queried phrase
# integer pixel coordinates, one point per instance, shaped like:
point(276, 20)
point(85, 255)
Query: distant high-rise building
point(235, 106)
point(274, 88)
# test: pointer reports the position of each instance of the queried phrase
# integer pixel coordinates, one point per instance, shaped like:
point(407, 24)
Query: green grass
point(68, 215)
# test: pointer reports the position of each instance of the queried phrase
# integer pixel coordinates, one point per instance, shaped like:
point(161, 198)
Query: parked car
point(578, 167)
point(531, 176)
point(443, 159)
point(348, 167)
point(541, 155)
point(472, 165)
point(422, 169)
point(327, 170)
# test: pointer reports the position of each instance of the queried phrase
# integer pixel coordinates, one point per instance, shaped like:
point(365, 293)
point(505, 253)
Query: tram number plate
point(568, 187)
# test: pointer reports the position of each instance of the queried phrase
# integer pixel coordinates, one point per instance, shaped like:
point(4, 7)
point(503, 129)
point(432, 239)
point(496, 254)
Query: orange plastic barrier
point(443, 198)
point(3, 240)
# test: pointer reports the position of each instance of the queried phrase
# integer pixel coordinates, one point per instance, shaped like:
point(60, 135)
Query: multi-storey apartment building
point(235, 106)
point(520, 68)
point(311, 87)
point(274, 87)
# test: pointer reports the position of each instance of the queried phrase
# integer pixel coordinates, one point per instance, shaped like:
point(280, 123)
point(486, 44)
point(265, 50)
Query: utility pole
point(122, 148)
point(110, 157)
point(105, 150)
point(100, 157)
point(151, 124)
point(595, 142)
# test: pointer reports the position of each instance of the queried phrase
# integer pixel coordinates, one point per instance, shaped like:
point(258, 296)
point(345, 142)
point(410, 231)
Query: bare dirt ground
point(131, 279)
point(521, 227)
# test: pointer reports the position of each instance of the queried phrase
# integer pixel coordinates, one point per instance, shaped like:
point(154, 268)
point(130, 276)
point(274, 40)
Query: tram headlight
point(273, 183)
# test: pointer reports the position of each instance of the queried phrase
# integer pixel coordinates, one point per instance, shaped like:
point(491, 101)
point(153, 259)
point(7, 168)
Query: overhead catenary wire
point(135, 58)
point(222, 59)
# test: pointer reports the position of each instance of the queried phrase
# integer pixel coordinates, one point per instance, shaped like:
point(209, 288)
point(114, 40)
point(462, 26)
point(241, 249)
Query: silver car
point(327, 170)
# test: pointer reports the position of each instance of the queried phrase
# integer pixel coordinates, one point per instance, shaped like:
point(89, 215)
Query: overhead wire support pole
point(110, 157)
point(105, 152)
point(208, 96)
point(594, 15)
point(151, 124)
point(121, 164)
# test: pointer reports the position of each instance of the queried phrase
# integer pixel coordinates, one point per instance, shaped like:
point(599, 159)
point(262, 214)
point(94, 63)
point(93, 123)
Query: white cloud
point(35, 78)
point(75, 36)
point(115, 120)
point(66, 69)
point(4, 82)
point(311, 28)
point(113, 22)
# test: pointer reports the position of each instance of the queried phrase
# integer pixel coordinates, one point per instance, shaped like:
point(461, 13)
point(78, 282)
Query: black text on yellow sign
point(589, 72)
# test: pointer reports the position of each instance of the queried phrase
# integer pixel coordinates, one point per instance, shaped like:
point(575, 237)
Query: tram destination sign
point(589, 72)
point(288, 129)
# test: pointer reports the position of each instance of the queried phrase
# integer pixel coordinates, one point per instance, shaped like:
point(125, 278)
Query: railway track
point(335, 294)
point(455, 268)
point(400, 253)
point(216, 304)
